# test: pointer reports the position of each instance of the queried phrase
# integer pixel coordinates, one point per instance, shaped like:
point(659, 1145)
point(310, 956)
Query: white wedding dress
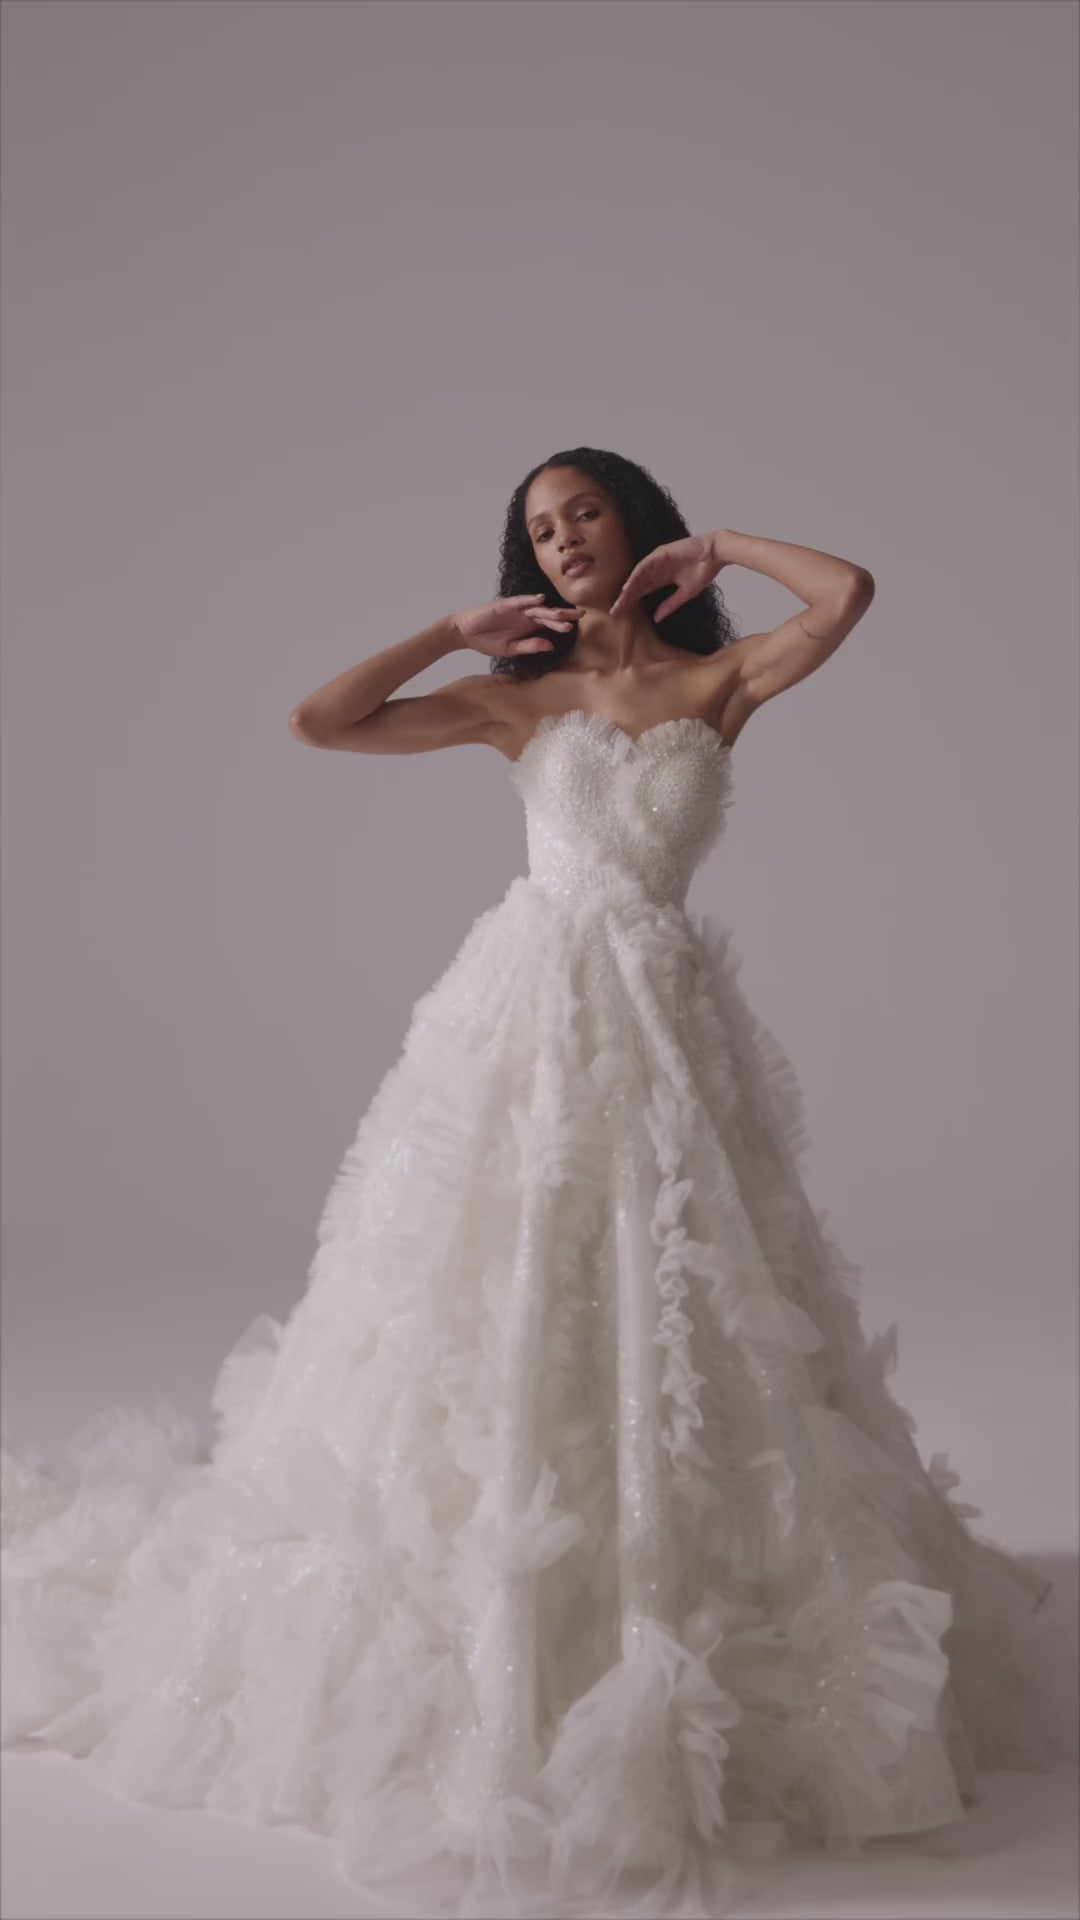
point(566, 1538)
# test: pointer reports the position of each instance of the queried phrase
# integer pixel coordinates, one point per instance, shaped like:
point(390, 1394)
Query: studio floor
point(71, 1852)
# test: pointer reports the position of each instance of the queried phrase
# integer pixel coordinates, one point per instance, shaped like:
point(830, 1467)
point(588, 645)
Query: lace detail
point(568, 1524)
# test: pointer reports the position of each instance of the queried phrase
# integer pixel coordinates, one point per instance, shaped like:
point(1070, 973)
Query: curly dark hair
point(650, 517)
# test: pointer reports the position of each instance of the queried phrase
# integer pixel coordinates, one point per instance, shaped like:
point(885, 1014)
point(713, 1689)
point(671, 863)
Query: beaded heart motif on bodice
point(600, 800)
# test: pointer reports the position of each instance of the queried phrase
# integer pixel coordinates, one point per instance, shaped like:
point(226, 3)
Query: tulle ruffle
point(567, 1533)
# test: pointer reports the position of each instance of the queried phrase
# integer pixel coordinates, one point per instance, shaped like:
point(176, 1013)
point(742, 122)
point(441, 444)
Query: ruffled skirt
point(566, 1540)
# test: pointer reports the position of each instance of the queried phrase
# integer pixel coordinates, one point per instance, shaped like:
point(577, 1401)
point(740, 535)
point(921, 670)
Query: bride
point(565, 1548)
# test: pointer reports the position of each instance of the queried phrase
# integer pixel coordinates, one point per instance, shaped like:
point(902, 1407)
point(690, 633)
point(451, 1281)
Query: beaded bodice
point(598, 801)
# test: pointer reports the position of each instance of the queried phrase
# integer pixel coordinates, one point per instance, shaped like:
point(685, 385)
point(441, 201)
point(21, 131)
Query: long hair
point(650, 517)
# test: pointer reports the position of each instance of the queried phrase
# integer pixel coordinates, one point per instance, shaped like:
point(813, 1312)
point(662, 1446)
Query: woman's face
point(567, 516)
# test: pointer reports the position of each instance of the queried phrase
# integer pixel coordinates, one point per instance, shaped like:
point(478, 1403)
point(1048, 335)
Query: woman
point(567, 1530)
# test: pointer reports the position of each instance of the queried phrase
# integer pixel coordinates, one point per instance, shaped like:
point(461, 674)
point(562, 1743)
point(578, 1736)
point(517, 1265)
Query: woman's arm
point(837, 594)
point(355, 712)
point(350, 712)
point(813, 575)
point(360, 689)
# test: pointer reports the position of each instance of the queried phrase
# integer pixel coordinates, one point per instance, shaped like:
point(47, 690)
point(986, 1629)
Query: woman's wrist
point(453, 639)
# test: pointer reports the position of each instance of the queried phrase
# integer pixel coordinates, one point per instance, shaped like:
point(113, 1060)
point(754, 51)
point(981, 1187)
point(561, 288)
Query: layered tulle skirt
point(566, 1538)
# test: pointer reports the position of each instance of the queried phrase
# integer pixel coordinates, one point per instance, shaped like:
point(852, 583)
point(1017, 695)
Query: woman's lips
point(577, 566)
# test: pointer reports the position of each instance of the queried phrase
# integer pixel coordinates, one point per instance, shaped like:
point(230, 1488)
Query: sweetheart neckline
point(605, 725)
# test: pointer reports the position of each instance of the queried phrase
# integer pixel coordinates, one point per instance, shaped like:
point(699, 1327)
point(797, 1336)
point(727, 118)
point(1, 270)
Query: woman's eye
point(587, 513)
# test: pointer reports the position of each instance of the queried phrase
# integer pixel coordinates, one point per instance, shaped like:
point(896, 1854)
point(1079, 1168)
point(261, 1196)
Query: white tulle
point(567, 1537)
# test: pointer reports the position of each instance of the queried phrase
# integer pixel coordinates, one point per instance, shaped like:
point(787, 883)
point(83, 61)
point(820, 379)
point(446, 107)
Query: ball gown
point(566, 1542)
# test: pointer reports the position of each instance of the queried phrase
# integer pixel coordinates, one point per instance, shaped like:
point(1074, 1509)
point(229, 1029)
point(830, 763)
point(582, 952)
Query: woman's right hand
point(506, 627)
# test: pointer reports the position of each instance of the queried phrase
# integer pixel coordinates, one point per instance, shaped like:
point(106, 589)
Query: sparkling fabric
point(567, 1529)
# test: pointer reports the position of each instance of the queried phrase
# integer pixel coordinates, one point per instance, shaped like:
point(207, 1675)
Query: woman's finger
point(671, 605)
point(635, 584)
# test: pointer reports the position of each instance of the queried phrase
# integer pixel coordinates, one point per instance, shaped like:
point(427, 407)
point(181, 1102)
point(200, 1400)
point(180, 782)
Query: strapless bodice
point(599, 801)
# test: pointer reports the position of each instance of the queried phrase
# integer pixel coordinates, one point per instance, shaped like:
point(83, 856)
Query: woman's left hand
point(689, 565)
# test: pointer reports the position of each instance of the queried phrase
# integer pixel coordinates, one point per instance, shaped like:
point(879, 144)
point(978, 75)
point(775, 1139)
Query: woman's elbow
point(300, 728)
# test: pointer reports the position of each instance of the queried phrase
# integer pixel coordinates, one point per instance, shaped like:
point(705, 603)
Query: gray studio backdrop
point(293, 294)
